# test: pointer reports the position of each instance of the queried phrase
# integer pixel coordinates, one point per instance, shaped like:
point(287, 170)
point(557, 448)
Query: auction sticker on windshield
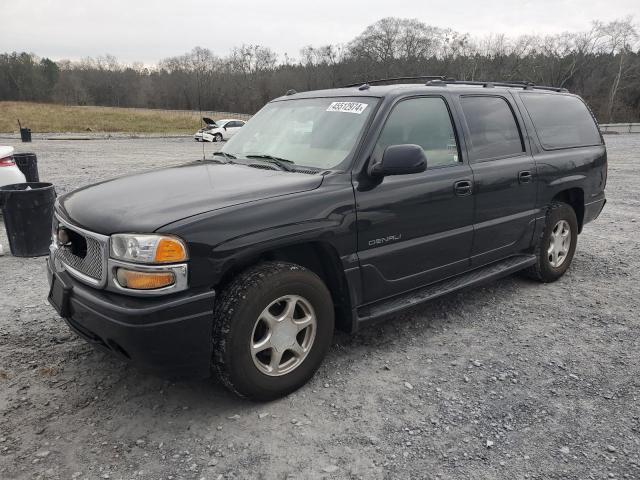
point(348, 107)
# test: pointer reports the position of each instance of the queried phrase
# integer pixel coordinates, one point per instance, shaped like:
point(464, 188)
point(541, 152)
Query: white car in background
point(9, 171)
point(210, 125)
point(224, 130)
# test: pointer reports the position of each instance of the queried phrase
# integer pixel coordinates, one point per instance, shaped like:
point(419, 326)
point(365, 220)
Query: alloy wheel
point(283, 335)
point(559, 243)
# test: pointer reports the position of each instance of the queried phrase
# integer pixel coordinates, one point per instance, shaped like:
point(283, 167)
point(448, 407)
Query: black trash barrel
point(28, 210)
point(25, 134)
point(28, 164)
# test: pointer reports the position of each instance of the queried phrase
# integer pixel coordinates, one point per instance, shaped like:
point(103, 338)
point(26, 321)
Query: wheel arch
point(575, 198)
point(317, 256)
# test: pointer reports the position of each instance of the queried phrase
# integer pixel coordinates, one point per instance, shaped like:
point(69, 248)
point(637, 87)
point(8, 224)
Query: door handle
point(525, 176)
point(462, 188)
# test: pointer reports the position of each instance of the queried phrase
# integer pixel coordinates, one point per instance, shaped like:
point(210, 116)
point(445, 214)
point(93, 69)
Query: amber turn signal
point(170, 250)
point(144, 280)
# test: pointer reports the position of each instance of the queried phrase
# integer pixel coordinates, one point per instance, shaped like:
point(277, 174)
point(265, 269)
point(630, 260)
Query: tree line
point(601, 64)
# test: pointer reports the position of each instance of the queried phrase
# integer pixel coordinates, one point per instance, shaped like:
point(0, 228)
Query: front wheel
point(557, 245)
point(273, 325)
point(217, 137)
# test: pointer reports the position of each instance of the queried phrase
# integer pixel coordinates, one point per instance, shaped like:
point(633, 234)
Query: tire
point(239, 326)
point(544, 269)
point(217, 137)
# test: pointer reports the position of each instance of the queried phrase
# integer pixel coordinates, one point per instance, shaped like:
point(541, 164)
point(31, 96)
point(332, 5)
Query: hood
point(208, 121)
point(147, 201)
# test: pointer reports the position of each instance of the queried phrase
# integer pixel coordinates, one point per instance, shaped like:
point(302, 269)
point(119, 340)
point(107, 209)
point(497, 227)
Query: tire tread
point(536, 271)
point(225, 306)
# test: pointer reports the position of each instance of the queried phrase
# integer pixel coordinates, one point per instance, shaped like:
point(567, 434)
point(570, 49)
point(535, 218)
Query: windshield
point(313, 132)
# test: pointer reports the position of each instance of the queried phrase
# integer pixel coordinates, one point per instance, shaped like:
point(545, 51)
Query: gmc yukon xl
point(330, 208)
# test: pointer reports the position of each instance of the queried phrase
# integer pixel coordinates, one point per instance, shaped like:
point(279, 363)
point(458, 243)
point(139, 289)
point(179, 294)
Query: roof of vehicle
point(371, 90)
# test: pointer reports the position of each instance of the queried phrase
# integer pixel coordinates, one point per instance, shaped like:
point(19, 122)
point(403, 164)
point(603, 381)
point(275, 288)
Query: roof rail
point(441, 80)
point(396, 79)
point(515, 84)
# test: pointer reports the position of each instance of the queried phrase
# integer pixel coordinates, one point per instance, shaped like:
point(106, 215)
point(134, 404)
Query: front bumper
point(169, 335)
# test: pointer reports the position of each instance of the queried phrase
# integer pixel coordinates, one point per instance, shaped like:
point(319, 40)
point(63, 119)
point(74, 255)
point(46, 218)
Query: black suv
point(334, 207)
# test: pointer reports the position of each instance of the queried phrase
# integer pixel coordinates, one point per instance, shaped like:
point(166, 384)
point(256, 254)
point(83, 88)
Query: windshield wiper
point(283, 163)
point(226, 155)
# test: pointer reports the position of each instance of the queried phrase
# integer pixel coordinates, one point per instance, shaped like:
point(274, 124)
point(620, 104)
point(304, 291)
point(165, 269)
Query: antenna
point(200, 106)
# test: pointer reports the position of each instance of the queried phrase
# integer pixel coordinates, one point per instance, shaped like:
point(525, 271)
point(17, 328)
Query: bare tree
point(602, 64)
point(620, 36)
point(250, 59)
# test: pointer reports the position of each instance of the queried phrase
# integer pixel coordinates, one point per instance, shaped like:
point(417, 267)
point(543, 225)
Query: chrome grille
point(85, 256)
point(90, 264)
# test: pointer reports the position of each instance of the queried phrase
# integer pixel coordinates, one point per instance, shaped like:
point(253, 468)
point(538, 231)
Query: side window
point(425, 122)
point(561, 121)
point(493, 128)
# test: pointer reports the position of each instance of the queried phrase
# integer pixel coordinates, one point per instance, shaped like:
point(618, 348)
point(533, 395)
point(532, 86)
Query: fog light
point(144, 280)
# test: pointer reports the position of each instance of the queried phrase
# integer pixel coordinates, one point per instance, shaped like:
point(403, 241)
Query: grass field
point(50, 118)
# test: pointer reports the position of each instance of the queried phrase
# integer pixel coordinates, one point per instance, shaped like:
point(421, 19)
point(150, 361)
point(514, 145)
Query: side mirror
point(225, 127)
point(400, 160)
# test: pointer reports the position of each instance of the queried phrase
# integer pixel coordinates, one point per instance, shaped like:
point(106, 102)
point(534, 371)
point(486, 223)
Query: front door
point(416, 229)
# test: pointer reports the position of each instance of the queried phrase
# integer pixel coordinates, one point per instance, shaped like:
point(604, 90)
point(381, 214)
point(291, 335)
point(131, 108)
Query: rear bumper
point(168, 335)
point(593, 209)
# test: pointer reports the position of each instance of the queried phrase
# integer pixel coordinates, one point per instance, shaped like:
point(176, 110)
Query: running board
point(391, 306)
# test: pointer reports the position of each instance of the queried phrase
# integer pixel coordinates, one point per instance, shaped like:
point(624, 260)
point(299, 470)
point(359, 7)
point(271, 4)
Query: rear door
point(416, 229)
point(504, 175)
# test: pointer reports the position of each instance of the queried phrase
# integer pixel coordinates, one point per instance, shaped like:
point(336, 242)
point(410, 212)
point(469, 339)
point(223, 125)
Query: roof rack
point(396, 79)
point(524, 85)
point(440, 80)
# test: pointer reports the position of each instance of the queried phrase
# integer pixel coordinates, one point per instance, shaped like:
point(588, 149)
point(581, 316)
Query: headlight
point(147, 248)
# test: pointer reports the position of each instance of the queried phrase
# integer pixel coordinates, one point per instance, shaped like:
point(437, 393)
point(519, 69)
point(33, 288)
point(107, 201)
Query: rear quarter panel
point(560, 170)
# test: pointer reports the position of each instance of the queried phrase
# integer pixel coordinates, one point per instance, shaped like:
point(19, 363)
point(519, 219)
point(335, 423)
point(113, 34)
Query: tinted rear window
point(493, 128)
point(561, 121)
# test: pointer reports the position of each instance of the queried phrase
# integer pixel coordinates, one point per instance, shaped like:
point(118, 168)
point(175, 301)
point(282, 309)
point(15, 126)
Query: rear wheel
point(273, 325)
point(557, 245)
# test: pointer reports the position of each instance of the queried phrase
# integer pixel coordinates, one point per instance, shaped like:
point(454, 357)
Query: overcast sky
point(148, 31)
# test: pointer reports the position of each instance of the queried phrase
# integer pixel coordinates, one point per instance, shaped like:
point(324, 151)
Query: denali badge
point(383, 240)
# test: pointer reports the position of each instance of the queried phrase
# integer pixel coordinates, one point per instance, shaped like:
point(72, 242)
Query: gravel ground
point(513, 380)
